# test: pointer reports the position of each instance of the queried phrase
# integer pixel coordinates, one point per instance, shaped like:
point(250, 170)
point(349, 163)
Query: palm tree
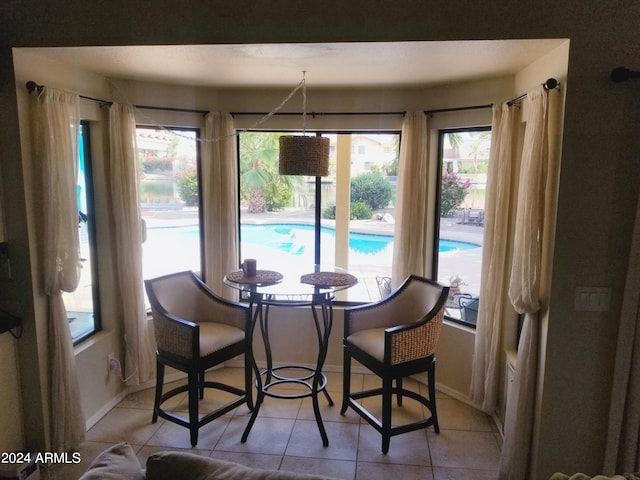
point(479, 148)
point(259, 169)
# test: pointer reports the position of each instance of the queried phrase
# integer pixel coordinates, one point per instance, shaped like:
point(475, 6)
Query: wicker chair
point(195, 330)
point(394, 338)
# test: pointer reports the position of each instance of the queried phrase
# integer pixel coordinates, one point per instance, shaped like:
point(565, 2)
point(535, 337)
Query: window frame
point(318, 185)
point(197, 131)
point(85, 128)
point(441, 132)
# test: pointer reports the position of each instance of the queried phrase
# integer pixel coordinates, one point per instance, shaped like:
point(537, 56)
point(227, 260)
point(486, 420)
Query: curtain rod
point(34, 87)
point(622, 74)
point(550, 84)
point(317, 114)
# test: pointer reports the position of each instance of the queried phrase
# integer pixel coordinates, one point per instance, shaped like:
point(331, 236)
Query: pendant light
point(301, 154)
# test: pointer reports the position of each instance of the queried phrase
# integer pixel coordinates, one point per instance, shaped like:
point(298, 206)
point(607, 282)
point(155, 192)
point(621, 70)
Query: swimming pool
point(296, 238)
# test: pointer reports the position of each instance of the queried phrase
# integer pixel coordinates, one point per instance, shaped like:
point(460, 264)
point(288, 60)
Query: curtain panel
point(127, 234)
point(530, 272)
point(486, 368)
point(57, 126)
point(623, 439)
point(220, 201)
point(410, 252)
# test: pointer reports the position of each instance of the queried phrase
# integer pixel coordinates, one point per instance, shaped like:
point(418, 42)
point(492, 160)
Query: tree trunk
point(257, 202)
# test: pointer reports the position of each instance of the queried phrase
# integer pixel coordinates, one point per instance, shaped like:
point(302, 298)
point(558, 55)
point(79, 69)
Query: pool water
point(294, 239)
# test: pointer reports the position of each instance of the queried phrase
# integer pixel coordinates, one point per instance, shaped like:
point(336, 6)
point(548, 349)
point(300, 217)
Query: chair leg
point(346, 382)
point(431, 378)
point(387, 384)
point(159, 385)
point(399, 387)
point(194, 390)
point(201, 381)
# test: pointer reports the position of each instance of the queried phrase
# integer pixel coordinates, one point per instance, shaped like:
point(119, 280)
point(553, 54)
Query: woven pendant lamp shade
point(301, 155)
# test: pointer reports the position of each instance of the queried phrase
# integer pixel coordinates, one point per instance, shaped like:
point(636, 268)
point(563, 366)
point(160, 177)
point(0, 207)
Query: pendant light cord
point(304, 103)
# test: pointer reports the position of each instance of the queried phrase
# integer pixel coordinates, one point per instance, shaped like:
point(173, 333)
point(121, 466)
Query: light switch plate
point(592, 299)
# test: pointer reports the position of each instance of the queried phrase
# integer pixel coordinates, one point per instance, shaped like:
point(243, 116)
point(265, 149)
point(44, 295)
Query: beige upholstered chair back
point(185, 296)
point(411, 302)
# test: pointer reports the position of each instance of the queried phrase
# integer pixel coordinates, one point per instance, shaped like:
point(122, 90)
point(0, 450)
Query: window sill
point(90, 342)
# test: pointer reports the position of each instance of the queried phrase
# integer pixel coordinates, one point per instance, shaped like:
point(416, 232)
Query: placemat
point(261, 277)
point(329, 279)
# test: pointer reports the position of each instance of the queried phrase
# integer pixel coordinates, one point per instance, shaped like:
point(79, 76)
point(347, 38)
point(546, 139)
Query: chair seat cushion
point(216, 336)
point(370, 341)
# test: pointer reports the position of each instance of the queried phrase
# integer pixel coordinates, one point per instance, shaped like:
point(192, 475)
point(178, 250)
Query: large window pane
point(373, 180)
point(277, 213)
point(169, 196)
point(82, 304)
point(464, 159)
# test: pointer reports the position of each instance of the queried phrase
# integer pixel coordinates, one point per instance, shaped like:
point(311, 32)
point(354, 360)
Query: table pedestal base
point(312, 379)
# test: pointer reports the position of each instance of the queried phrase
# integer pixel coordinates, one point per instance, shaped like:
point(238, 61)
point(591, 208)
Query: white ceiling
point(327, 64)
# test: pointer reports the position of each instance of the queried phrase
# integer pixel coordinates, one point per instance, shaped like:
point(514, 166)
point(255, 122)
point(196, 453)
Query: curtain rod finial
point(551, 83)
point(33, 86)
point(622, 74)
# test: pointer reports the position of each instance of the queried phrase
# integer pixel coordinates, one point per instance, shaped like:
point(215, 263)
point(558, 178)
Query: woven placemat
point(261, 277)
point(329, 279)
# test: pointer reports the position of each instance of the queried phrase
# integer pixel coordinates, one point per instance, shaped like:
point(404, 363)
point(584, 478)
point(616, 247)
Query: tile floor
point(285, 436)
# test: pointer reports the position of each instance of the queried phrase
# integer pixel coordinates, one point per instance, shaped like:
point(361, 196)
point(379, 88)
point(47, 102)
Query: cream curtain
point(623, 442)
point(486, 368)
point(127, 232)
point(56, 158)
point(537, 199)
point(410, 254)
point(220, 202)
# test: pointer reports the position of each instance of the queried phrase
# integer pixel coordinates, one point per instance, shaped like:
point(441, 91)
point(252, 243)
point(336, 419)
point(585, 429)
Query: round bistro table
point(313, 287)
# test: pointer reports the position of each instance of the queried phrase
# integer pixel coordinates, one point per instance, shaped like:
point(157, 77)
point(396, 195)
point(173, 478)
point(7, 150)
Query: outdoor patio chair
point(394, 338)
point(195, 329)
point(384, 286)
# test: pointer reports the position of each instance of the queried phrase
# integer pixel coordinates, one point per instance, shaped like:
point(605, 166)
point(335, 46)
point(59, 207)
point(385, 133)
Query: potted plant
point(455, 282)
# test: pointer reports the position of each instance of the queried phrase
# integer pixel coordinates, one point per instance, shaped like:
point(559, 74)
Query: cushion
point(189, 466)
point(370, 341)
point(116, 463)
point(216, 336)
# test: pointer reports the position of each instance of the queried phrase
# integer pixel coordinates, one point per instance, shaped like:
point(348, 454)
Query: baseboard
point(96, 417)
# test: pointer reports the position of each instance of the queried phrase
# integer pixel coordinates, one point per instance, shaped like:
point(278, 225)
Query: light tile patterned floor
point(285, 436)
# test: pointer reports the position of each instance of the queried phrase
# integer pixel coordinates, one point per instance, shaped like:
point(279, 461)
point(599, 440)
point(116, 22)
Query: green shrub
point(157, 164)
point(360, 211)
point(453, 192)
point(329, 212)
point(277, 195)
point(371, 188)
point(187, 183)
